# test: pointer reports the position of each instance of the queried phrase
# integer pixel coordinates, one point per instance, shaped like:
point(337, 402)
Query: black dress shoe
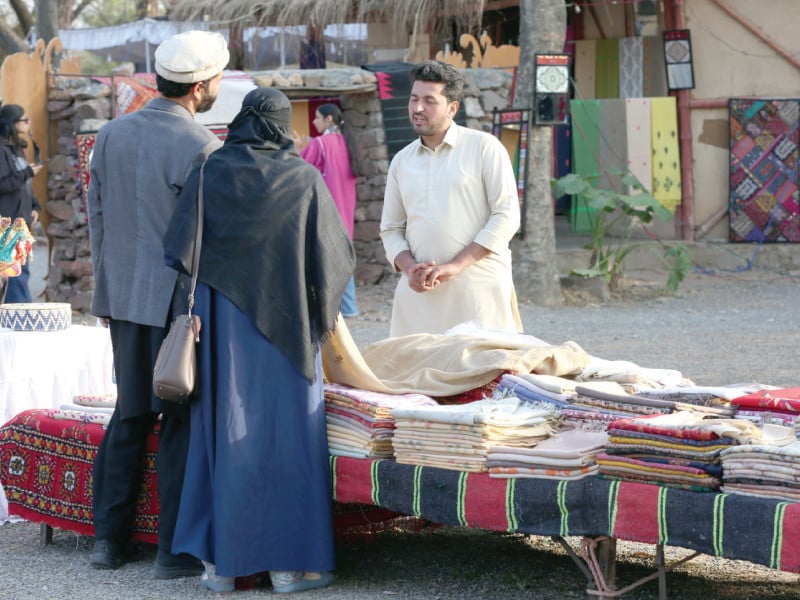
point(107, 555)
point(170, 566)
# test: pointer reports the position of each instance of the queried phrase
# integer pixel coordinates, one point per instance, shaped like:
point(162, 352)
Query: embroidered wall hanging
point(84, 143)
point(764, 204)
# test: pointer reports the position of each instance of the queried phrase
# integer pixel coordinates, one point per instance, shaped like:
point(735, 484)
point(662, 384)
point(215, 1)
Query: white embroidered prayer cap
point(192, 56)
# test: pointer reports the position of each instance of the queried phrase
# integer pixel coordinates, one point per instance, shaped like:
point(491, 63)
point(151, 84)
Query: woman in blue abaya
point(274, 262)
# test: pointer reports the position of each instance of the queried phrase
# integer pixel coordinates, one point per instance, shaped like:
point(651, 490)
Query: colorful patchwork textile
point(84, 143)
point(764, 200)
point(132, 93)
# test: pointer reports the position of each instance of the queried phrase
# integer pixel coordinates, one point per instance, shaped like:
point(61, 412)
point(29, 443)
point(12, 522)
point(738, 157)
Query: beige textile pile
point(440, 364)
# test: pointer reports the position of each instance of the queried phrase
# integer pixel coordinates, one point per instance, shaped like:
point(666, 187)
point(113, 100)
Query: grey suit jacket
point(139, 164)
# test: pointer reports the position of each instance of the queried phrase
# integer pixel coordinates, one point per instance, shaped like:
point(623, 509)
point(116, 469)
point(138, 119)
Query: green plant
point(623, 214)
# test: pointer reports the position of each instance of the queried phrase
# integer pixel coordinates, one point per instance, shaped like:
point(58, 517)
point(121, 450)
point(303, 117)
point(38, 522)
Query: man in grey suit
point(139, 164)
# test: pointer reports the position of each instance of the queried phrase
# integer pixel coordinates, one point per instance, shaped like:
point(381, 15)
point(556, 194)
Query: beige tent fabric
point(441, 365)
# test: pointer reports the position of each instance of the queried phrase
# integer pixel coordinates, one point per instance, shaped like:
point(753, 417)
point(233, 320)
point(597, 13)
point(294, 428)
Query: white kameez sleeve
point(393, 218)
point(500, 188)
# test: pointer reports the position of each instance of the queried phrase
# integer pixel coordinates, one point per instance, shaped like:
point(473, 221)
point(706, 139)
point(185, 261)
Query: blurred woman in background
point(16, 190)
point(334, 155)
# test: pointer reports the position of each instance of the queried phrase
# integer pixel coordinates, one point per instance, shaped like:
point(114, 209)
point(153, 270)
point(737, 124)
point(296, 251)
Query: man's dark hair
point(440, 72)
point(171, 89)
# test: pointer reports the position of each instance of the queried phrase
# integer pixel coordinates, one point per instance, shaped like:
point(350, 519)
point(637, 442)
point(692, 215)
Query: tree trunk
point(543, 25)
point(24, 16)
point(10, 42)
point(47, 19)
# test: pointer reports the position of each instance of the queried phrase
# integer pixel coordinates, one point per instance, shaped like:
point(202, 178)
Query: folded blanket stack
point(774, 405)
point(611, 397)
point(677, 450)
point(458, 437)
point(577, 411)
point(360, 423)
point(709, 400)
point(86, 408)
point(762, 470)
point(569, 454)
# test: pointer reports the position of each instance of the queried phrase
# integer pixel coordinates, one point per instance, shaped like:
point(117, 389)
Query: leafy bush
point(623, 214)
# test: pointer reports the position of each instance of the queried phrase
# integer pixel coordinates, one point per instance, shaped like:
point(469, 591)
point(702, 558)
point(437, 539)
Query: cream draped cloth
point(441, 364)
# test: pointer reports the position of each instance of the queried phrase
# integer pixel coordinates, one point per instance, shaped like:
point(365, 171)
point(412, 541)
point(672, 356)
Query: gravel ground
point(716, 330)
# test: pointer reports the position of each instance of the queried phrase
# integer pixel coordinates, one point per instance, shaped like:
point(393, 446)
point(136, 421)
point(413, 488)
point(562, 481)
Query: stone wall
point(75, 104)
point(80, 104)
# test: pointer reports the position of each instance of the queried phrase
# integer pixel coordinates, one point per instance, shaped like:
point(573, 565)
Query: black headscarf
point(273, 241)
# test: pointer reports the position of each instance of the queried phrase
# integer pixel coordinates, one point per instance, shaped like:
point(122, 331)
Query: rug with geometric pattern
point(764, 202)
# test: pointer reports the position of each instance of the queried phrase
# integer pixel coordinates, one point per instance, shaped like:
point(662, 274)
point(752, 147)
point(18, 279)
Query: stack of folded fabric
point(770, 468)
point(86, 408)
point(677, 450)
point(560, 393)
point(459, 437)
point(710, 400)
point(360, 423)
point(773, 405)
point(612, 398)
point(568, 454)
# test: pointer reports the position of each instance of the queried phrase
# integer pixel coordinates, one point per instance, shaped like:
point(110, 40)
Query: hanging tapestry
point(585, 149)
point(764, 204)
point(631, 67)
point(612, 156)
point(666, 152)
point(606, 69)
point(132, 93)
point(637, 120)
point(654, 70)
point(394, 88)
point(585, 59)
point(84, 143)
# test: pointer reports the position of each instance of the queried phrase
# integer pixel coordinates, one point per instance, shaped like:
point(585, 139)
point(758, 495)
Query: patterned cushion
point(43, 316)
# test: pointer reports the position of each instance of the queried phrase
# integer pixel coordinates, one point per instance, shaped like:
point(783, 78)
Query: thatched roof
point(417, 14)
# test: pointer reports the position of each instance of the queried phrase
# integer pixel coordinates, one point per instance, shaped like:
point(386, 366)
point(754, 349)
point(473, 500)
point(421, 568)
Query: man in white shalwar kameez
point(450, 210)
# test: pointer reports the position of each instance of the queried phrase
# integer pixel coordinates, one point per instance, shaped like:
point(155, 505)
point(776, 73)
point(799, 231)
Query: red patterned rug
point(46, 470)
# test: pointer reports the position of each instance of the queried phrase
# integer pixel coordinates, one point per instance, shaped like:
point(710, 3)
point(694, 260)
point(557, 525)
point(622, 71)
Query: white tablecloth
point(47, 369)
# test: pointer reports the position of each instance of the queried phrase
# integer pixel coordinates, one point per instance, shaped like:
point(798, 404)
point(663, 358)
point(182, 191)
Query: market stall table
point(45, 465)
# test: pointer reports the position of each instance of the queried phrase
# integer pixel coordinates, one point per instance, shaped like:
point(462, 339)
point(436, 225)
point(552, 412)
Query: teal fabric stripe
point(511, 516)
point(460, 499)
point(417, 491)
point(663, 534)
point(561, 496)
point(613, 506)
point(332, 462)
point(777, 536)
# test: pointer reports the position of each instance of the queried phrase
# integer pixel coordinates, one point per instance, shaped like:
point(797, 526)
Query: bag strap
point(198, 238)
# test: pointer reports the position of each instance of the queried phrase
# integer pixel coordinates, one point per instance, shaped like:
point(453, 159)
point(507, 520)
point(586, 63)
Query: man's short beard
point(207, 102)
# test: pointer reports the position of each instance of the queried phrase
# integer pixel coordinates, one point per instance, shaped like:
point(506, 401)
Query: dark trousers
point(118, 467)
point(17, 290)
